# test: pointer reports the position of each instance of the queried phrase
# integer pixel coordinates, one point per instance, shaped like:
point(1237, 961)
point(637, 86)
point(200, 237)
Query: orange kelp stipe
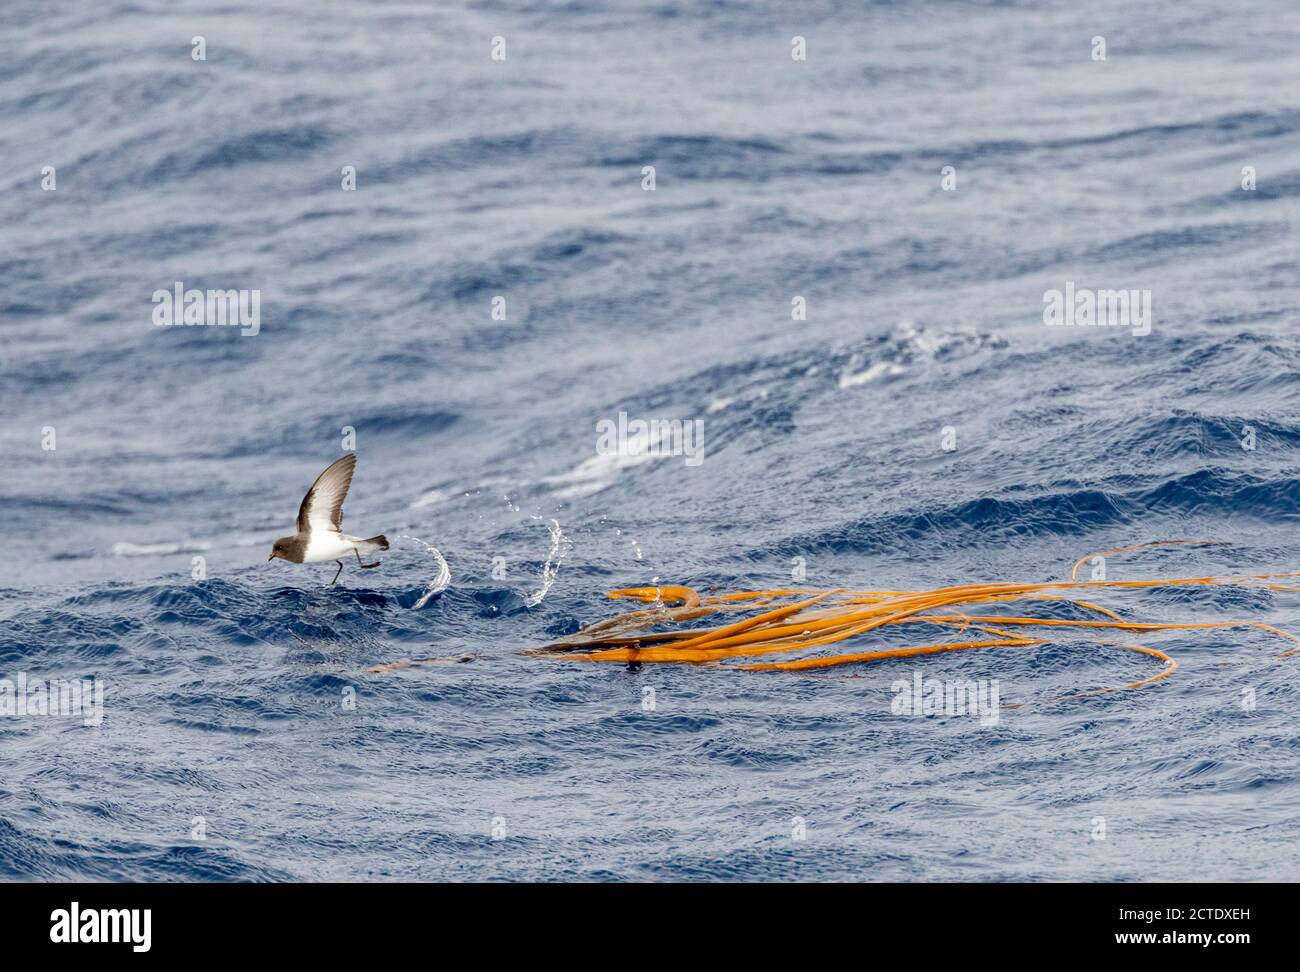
point(798, 624)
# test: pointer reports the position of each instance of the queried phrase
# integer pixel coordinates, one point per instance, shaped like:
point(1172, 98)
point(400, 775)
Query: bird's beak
point(270, 558)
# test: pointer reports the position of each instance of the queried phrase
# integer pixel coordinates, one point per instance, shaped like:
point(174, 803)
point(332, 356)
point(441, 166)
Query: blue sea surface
point(921, 427)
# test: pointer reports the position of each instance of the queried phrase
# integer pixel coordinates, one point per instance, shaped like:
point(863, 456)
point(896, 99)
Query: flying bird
point(320, 535)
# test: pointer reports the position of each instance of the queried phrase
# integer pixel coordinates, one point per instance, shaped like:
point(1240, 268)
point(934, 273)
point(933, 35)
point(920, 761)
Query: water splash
point(443, 579)
point(559, 547)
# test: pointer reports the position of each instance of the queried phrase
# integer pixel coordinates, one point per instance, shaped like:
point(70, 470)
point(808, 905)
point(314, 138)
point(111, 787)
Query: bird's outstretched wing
point(322, 507)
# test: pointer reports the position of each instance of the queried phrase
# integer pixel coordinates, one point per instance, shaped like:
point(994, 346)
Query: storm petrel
point(320, 535)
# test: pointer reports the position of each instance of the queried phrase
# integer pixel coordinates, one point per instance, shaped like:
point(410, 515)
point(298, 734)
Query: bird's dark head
point(281, 548)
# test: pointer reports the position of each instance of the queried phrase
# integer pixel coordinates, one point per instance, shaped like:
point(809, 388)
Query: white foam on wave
point(881, 369)
point(602, 470)
point(127, 549)
point(909, 345)
point(433, 496)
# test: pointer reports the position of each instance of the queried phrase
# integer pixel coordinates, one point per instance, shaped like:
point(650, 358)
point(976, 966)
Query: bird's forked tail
point(378, 543)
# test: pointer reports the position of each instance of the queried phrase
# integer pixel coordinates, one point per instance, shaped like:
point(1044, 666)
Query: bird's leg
point(358, 553)
point(336, 573)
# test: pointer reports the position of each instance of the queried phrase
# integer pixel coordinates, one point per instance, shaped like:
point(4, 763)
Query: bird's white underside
point(331, 545)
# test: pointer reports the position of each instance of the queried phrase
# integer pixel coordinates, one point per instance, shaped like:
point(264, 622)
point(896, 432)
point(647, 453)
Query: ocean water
point(243, 737)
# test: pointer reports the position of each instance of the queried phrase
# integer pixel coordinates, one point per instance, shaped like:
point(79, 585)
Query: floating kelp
point(787, 630)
